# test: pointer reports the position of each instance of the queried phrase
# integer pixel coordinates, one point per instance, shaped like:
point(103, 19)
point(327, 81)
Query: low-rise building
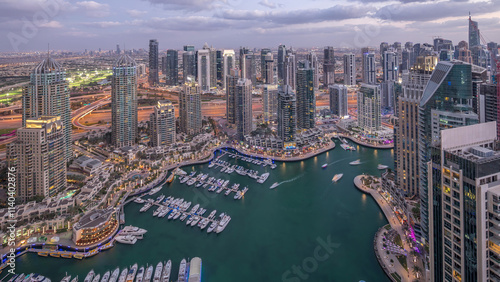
point(95, 226)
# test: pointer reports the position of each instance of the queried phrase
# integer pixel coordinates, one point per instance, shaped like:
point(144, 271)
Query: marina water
point(272, 232)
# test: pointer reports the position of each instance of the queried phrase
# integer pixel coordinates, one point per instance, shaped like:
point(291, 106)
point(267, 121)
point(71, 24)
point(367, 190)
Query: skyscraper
point(38, 154)
point(231, 106)
point(290, 70)
point(306, 100)
point(466, 168)
point(220, 66)
point(444, 104)
point(287, 116)
point(244, 116)
point(213, 67)
point(474, 34)
point(338, 100)
point(162, 124)
point(229, 63)
point(268, 73)
point(390, 66)
point(263, 53)
point(313, 59)
point(249, 69)
point(204, 69)
point(489, 104)
point(243, 52)
point(270, 102)
point(47, 94)
point(153, 78)
point(328, 66)
point(369, 118)
point(190, 108)
point(188, 62)
point(171, 68)
point(384, 46)
point(349, 69)
point(124, 102)
point(369, 68)
point(281, 62)
point(406, 131)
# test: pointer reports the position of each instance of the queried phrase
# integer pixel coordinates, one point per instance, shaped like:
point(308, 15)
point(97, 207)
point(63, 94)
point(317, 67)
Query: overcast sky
point(28, 25)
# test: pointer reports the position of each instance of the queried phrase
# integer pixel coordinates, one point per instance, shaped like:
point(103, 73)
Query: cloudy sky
point(27, 25)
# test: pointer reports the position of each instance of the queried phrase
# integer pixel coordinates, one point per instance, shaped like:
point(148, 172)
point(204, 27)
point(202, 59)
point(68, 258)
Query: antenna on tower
point(48, 50)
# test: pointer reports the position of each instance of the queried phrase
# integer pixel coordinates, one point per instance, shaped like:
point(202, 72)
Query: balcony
point(495, 222)
point(494, 245)
point(495, 260)
point(495, 269)
point(495, 231)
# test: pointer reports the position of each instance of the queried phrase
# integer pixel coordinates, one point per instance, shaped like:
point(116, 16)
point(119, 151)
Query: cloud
point(268, 4)
point(136, 13)
point(190, 5)
point(52, 24)
point(335, 13)
point(430, 10)
point(94, 9)
point(105, 24)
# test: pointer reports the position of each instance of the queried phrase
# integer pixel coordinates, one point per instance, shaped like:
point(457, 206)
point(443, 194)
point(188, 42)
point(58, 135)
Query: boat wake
point(338, 161)
point(290, 180)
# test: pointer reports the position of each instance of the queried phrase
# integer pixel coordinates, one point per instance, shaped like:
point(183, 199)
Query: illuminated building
point(94, 227)
point(38, 155)
point(338, 99)
point(287, 115)
point(162, 124)
point(124, 102)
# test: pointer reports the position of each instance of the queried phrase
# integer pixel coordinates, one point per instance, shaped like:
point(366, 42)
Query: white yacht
point(75, 279)
point(381, 166)
point(97, 278)
point(223, 223)
point(356, 162)
point(149, 273)
point(89, 276)
point(337, 177)
point(139, 200)
point(166, 271)
point(158, 270)
point(182, 271)
point(131, 273)
point(114, 275)
point(275, 184)
point(140, 274)
point(195, 220)
point(263, 178)
point(212, 226)
point(155, 190)
point(65, 279)
point(105, 277)
point(123, 275)
point(126, 239)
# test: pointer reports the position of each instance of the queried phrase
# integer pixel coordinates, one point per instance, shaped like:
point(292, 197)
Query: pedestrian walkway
point(395, 224)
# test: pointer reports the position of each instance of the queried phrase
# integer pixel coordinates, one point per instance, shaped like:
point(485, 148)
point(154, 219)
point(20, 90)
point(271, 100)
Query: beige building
point(39, 157)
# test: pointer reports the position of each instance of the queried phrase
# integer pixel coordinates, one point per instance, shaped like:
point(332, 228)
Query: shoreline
point(381, 147)
point(394, 224)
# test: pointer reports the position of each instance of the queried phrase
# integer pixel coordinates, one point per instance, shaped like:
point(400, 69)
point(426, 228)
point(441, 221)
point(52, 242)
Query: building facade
point(390, 66)
point(171, 67)
point(47, 94)
point(153, 78)
point(190, 108)
point(124, 102)
point(162, 124)
point(328, 66)
point(369, 118)
point(369, 68)
point(204, 69)
point(38, 154)
point(338, 100)
point(244, 115)
point(270, 102)
point(306, 100)
point(287, 115)
point(229, 63)
point(349, 69)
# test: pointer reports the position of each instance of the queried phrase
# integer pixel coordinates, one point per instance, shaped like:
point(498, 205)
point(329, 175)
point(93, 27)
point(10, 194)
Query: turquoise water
point(271, 234)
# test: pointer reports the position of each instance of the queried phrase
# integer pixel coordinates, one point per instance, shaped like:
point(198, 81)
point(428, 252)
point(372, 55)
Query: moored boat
point(166, 271)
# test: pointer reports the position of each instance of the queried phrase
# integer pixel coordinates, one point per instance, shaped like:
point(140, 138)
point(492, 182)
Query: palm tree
point(416, 270)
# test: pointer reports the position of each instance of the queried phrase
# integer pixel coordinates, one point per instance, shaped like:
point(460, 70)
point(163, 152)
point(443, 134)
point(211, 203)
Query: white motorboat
point(127, 239)
point(381, 166)
point(114, 275)
point(90, 276)
point(337, 177)
point(158, 271)
point(275, 184)
point(123, 275)
point(166, 271)
point(356, 162)
point(105, 277)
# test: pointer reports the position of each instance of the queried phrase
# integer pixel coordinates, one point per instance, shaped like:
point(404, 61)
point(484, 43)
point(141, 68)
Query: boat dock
point(212, 184)
point(252, 160)
point(178, 208)
point(70, 254)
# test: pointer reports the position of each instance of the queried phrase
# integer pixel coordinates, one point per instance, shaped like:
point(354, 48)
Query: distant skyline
point(29, 25)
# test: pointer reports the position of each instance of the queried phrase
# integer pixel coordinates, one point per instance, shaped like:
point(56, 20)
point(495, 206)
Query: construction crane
point(495, 65)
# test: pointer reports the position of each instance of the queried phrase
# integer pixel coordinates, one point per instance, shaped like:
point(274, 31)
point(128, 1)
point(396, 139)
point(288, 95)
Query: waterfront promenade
point(383, 258)
point(369, 145)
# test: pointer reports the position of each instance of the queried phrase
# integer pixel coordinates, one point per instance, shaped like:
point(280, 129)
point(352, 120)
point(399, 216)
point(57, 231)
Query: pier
point(177, 208)
point(216, 185)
